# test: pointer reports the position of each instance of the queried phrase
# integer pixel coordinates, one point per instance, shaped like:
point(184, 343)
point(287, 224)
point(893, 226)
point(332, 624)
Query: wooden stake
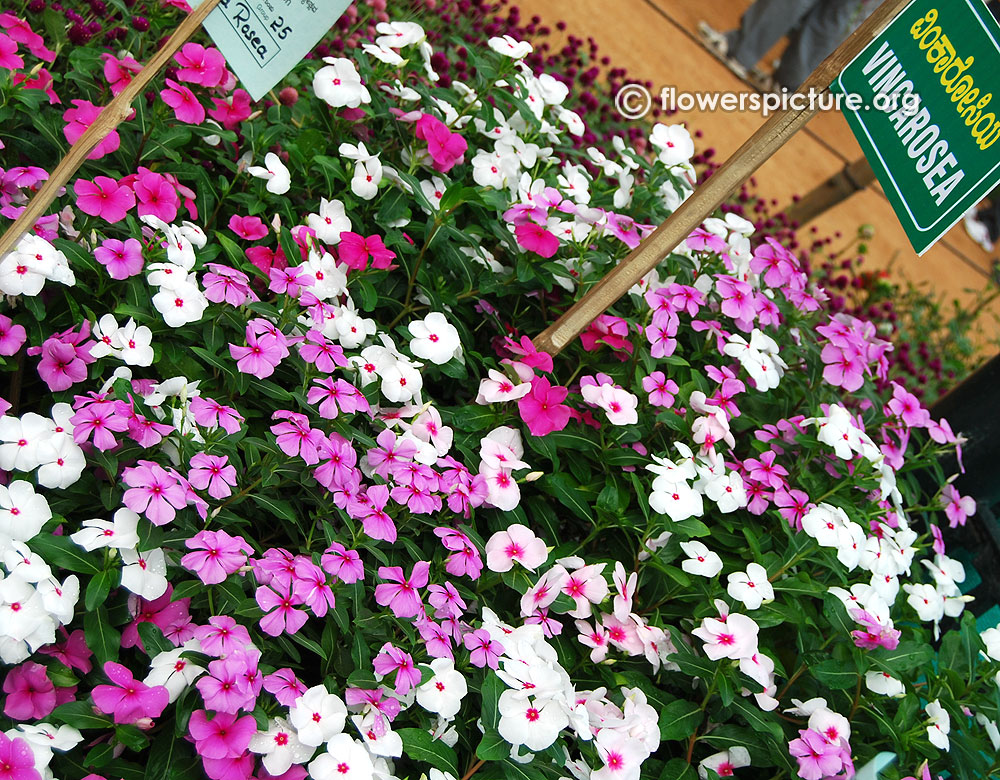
point(771, 136)
point(110, 117)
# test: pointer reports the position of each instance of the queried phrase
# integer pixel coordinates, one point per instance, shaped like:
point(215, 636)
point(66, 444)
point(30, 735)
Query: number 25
point(282, 31)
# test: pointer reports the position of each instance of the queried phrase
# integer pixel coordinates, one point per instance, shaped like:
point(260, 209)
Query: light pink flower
point(213, 472)
point(216, 555)
point(517, 543)
point(122, 259)
point(400, 594)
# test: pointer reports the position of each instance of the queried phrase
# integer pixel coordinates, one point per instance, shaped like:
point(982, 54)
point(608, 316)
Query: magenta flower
point(225, 284)
point(153, 492)
point(484, 650)
point(12, 336)
point(310, 586)
point(30, 693)
point(224, 736)
point(792, 505)
point(9, 58)
point(61, 365)
point(531, 357)
point(702, 240)
point(323, 354)
point(873, 634)
point(214, 473)
point(766, 471)
point(216, 555)
point(184, 103)
point(844, 368)
point(17, 760)
point(906, 407)
point(400, 595)
point(119, 72)
point(295, 437)
point(157, 196)
point(536, 238)
point(248, 228)
point(122, 259)
point(222, 636)
point(81, 117)
point(447, 149)
point(128, 699)
point(210, 414)
point(542, 409)
point(957, 508)
point(355, 251)
point(390, 453)
point(104, 198)
point(173, 618)
point(661, 390)
point(335, 396)
point(232, 110)
point(378, 524)
point(260, 356)
point(775, 262)
point(201, 65)
point(100, 420)
point(282, 616)
point(817, 758)
point(391, 659)
point(225, 688)
point(737, 300)
point(289, 280)
point(284, 685)
point(342, 563)
point(72, 652)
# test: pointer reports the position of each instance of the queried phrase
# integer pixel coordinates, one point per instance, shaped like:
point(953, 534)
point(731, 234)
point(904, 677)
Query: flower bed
point(292, 493)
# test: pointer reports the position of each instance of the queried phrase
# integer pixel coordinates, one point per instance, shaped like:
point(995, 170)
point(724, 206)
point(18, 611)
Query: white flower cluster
point(33, 603)
point(34, 442)
point(130, 343)
point(34, 261)
point(43, 739)
point(759, 357)
point(541, 701)
point(679, 486)
point(179, 298)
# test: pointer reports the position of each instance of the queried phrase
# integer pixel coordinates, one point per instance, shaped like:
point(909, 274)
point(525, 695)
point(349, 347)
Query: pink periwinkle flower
point(12, 336)
point(121, 259)
point(311, 585)
point(334, 396)
point(662, 391)
point(775, 262)
point(201, 65)
point(157, 196)
point(295, 437)
point(104, 198)
point(447, 149)
point(232, 110)
point(215, 555)
point(98, 419)
point(227, 687)
point(81, 117)
point(536, 238)
point(542, 409)
point(225, 284)
point(184, 102)
point(224, 736)
point(284, 686)
point(72, 652)
point(484, 651)
point(400, 594)
point(391, 659)
point(355, 251)
point(342, 563)
point(248, 228)
point(65, 357)
point(221, 636)
point(609, 330)
point(210, 414)
point(817, 758)
point(119, 72)
point(290, 280)
point(17, 759)
point(153, 492)
point(30, 693)
point(9, 58)
point(214, 473)
point(282, 616)
point(128, 699)
point(957, 508)
point(322, 353)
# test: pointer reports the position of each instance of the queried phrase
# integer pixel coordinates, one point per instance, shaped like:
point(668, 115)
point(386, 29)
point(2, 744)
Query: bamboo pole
point(770, 137)
point(110, 117)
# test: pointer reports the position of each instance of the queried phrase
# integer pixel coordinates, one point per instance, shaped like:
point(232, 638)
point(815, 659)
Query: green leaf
point(171, 758)
point(679, 719)
point(420, 746)
point(98, 589)
point(153, 639)
point(213, 360)
point(493, 747)
point(678, 769)
point(567, 491)
point(276, 506)
point(491, 689)
point(838, 675)
point(66, 554)
point(757, 719)
point(80, 715)
point(131, 737)
point(908, 656)
point(102, 638)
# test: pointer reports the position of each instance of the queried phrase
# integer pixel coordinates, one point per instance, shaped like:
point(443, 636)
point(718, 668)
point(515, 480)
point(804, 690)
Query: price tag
point(262, 40)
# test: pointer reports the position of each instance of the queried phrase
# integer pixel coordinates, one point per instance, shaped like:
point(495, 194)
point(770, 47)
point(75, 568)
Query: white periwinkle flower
point(434, 338)
point(339, 84)
point(274, 173)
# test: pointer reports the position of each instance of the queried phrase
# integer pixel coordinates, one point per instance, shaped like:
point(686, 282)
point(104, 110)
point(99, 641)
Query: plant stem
point(473, 769)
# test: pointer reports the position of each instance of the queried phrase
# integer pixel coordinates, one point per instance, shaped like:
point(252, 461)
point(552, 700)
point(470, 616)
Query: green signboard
point(920, 102)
